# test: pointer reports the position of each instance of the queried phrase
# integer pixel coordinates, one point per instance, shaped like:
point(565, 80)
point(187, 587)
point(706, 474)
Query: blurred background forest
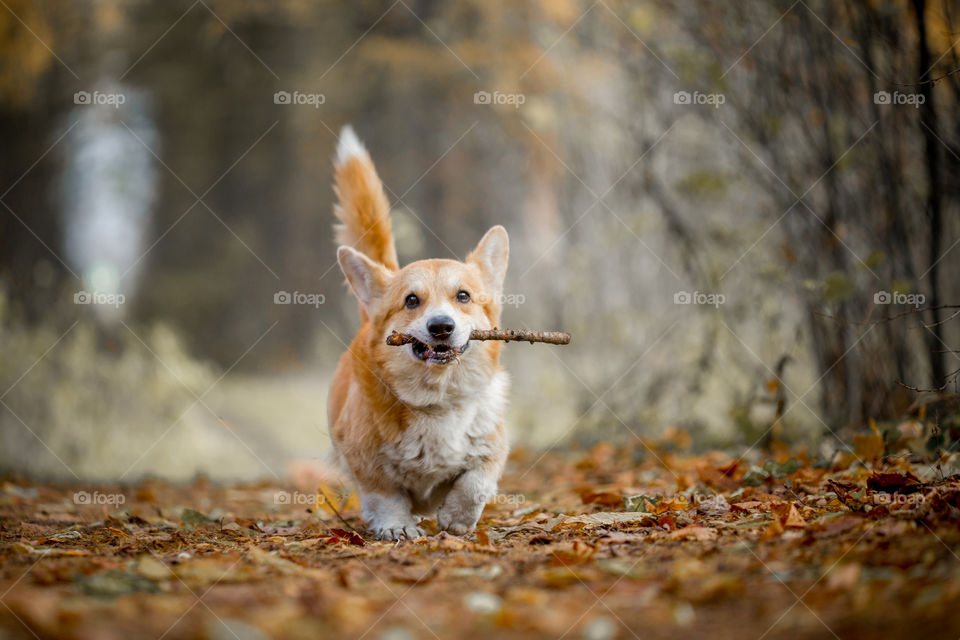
point(744, 212)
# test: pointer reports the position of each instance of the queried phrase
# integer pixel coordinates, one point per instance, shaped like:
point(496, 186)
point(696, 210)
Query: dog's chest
point(438, 444)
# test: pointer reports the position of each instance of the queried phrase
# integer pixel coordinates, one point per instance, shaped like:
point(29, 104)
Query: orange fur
point(363, 211)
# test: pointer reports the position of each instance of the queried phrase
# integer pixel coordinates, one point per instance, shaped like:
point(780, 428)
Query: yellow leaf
point(869, 446)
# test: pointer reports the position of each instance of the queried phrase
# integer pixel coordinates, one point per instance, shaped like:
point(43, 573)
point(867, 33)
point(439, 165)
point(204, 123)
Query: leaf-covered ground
point(644, 542)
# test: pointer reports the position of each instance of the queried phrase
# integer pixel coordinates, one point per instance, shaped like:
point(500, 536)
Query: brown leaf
point(788, 515)
point(40, 551)
point(607, 518)
point(746, 507)
point(774, 530)
point(576, 552)
point(667, 522)
point(602, 498)
point(714, 506)
point(890, 482)
point(346, 537)
point(729, 470)
point(693, 532)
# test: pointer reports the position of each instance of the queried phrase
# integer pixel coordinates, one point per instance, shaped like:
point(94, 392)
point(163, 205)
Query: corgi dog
point(419, 428)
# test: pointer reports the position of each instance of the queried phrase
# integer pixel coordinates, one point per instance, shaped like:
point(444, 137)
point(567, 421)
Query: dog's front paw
point(398, 531)
point(456, 521)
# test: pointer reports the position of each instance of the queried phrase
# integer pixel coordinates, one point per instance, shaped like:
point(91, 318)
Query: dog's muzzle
point(437, 353)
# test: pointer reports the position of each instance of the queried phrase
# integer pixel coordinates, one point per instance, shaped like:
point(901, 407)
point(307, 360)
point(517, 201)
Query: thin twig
point(397, 339)
point(930, 81)
point(336, 512)
point(947, 379)
point(889, 318)
point(919, 390)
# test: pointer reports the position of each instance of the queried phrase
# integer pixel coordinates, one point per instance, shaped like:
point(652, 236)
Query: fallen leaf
point(575, 552)
point(641, 502)
point(774, 530)
point(746, 507)
point(26, 548)
point(602, 498)
point(343, 536)
point(607, 518)
point(483, 538)
point(869, 446)
point(892, 482)
point(788, 515)
point(693, 532)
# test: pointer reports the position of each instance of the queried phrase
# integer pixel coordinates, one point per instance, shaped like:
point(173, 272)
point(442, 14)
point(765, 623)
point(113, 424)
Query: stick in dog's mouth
point(397, 339)
point(440, 353)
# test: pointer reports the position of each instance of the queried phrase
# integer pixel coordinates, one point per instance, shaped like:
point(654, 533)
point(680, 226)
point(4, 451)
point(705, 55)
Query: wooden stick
point(397, 339)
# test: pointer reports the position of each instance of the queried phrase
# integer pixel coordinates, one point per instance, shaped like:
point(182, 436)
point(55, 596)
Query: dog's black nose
point(441, 327)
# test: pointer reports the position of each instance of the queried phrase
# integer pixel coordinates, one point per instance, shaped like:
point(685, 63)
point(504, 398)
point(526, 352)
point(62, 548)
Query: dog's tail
point(362, 207)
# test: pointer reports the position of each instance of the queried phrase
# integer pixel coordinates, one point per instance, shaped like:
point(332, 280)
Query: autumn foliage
point(647, 540)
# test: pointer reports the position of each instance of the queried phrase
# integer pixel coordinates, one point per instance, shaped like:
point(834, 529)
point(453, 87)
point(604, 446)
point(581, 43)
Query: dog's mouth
point(437, 353)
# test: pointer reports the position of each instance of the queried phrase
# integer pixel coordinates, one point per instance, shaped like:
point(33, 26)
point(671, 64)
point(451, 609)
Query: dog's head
point(438, 302)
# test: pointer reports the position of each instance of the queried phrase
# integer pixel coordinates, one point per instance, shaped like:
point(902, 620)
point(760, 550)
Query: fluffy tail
point(362, 207)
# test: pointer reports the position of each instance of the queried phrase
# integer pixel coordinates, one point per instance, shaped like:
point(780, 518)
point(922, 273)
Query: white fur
point(463, 505)
point(349, 145)
point(389, 516)
point(438, 463)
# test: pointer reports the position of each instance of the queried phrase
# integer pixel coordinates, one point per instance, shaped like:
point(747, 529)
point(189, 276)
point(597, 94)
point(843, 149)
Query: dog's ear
point(368, 279)
point(491, 256)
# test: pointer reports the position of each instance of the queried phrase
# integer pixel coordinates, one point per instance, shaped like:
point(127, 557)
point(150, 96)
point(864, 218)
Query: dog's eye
point(412, 301)
point(463, 296)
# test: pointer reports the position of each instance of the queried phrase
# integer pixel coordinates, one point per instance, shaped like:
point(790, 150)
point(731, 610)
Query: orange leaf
point(483, 538)
point(788, 515)
point(869, 446)
point(775, 530)
point(602, 498)
point(746, 507)
point(693, 532)
point(667, 522)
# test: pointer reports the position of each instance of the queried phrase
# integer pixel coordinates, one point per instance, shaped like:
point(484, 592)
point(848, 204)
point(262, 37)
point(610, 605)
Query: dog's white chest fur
point(443, 441)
